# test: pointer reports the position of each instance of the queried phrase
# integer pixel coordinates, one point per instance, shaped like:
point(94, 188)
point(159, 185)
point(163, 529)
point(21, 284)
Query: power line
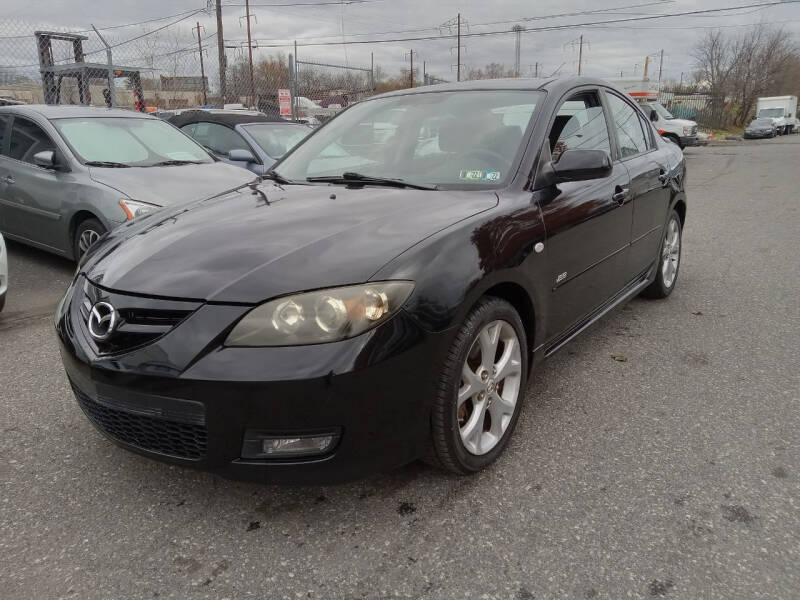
point(452, 22)
point(531, 29)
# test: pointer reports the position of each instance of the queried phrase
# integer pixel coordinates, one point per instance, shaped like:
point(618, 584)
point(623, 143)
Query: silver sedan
point(69, 174)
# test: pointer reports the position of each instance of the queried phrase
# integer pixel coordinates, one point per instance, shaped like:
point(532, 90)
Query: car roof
point(229, 119)
point(49, 111)
point(550, 84)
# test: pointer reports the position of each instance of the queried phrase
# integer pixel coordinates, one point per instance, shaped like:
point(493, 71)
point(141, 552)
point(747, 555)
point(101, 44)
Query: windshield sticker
point(479, 175)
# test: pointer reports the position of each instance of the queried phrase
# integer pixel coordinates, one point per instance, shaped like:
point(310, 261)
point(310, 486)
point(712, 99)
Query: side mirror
point(653, 116)
point(45, 159)
point(581, 165)
point(241, 155)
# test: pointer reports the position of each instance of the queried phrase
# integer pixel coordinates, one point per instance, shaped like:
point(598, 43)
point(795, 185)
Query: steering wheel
point(489, 156)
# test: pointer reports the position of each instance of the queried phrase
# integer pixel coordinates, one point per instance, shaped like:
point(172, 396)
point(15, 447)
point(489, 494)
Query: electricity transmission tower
point(517, 29)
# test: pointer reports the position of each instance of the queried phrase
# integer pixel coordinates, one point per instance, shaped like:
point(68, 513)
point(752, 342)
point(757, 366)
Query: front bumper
point(688, 140)
point(758, 134)
point(193, 407)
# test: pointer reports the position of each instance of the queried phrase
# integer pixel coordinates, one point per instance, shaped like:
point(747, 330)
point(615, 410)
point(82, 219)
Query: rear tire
point(86, 235)
point(480, 390)
point(669, 260)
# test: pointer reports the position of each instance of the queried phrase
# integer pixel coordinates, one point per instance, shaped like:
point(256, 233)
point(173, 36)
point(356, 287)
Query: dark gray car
point(68, 174)
point(241, 138)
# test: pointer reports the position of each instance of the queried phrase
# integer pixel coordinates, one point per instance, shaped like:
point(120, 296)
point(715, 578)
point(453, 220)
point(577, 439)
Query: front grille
point(141, 320)
point(694, 130)
point(147, 432)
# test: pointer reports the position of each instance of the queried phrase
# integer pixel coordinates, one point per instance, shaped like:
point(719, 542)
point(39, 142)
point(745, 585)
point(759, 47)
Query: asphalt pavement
point(657, 456)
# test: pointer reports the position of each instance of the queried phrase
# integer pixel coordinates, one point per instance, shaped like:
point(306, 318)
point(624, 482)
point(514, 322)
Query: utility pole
point(202, 68)
point(411, 70)
point(660, 67)
point(517, 29)
point(646, 65)
point(223, 89)
point(580, 56)
point(536, 71)
point(424, 73)
point(250, 52)
point(458, 50)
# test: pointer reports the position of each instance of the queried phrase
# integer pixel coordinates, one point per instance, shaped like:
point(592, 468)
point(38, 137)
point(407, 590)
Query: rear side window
point(3, 124)
point(579, 124)
point(27, 139)
point(630, 134)
point(215, 137)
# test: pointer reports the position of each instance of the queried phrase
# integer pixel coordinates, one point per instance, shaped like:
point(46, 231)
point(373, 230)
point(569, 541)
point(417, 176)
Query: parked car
point(68, 174)
point(329, 323)
point(760, 128)
point(3, 272)
point(252, 142)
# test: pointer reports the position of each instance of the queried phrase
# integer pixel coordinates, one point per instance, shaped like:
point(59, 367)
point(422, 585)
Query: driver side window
point(579, 124)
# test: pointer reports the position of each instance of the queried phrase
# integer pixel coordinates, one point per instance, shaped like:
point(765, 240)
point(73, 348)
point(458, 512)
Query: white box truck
point(782, 110)
point(681, 131)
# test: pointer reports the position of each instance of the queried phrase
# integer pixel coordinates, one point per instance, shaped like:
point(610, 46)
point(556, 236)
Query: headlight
point(687, 131)
point(322, 316)
point(134, 208)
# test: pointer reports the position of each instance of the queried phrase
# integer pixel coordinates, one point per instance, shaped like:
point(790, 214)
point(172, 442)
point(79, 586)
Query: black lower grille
point(153, 434)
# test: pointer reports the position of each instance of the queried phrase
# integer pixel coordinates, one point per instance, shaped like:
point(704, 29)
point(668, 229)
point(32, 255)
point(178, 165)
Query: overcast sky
point(609, 49)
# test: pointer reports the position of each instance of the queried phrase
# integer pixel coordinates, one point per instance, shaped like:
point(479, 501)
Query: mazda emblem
point(102, 321)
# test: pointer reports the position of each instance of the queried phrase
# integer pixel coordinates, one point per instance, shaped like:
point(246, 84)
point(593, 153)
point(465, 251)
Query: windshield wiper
point(170, 163)
point(276, 177)
point(106, 163)
point(358, 178)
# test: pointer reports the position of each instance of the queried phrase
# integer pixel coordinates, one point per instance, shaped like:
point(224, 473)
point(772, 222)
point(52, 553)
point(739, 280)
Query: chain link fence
point(166, 69)
point(696, 104)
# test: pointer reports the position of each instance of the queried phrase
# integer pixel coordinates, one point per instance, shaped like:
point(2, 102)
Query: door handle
point(620, 195)
point(9, 179)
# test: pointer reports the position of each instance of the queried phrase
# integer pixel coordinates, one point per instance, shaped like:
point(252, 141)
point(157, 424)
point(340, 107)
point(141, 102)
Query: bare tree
point(714, 60)
point(760, 60)
point(736, 71)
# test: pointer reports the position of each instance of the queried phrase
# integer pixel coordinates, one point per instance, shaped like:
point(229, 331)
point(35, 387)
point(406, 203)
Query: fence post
point(112, 93)
point(292, 84)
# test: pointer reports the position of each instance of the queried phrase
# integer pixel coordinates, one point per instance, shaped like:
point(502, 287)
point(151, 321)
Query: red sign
point(285, 102)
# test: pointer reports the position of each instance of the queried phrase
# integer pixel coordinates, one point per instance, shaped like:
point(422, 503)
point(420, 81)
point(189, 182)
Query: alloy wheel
point(87, 239)
point(490, 387)
point(671, 253)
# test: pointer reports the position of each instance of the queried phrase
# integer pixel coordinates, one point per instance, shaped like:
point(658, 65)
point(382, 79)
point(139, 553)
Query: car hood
point(682, 122)
point(168, 186)
point(250, 245)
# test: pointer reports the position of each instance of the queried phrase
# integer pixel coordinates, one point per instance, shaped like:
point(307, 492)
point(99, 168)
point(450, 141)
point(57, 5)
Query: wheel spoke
point(488, 340)
point(509, 362)
point(471, 432)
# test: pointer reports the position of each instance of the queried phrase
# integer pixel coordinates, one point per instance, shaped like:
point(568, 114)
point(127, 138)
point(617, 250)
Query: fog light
point(265, 445)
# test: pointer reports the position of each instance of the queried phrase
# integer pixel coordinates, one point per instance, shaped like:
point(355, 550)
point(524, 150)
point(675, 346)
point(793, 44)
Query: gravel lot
point(657, 456)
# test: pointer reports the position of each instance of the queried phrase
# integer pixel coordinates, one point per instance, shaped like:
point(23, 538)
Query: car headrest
point(453, 135)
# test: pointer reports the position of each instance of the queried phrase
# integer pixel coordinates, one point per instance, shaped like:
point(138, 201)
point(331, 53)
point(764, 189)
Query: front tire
point(480, 389)
point(669, 260)
point(86, 235)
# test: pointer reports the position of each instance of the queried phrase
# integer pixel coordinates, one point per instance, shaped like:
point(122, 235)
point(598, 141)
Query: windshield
point(771, 112)
point(276, 139)
point(442, 139)
point(663, 112)
point(762, 122)
point(129, 141)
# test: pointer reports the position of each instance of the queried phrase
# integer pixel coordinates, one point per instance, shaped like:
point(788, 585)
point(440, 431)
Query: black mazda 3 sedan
point(385, 294)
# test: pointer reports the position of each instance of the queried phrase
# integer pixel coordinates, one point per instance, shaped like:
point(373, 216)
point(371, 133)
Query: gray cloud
point(610, 48)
